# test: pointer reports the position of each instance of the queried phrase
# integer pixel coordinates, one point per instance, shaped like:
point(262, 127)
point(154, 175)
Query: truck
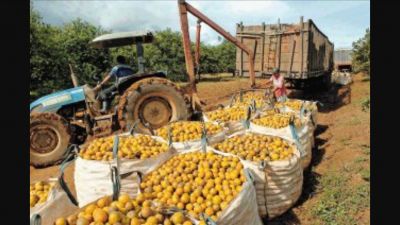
point(343, 66)
point(342, 59)
point(302, 53)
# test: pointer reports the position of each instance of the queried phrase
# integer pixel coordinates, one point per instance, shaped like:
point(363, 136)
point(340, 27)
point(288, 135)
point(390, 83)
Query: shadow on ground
point(336, 97)
point(310, 181)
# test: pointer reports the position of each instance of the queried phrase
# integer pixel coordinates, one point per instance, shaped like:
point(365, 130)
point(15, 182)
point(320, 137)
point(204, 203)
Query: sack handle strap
point(36, 219)
point(169, 134)
point(116, 182)
point(296, 138)
point(207, 219)
point(302, 110)
point(148, 126)
point(254, 105)
point(204, 139)
point(246, 122)
point(133, 127)
point(249, 175)
point(115, 149)
point(232, 100)
point(68, 161)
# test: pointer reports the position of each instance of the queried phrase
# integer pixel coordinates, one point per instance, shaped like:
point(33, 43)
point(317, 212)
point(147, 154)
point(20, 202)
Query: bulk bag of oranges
point(205, 185)
point(276, 166)
point(49, 201)
point(187, 135)
point(258, 98)
point(301, 107)
point(230, 117)
point(287, 126)
point(134, 154)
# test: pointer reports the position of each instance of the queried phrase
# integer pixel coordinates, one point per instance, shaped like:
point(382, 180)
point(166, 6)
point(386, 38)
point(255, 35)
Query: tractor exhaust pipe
point(73, 77)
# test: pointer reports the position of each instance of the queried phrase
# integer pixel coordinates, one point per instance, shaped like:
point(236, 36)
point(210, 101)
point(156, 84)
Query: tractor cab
point(120, 39)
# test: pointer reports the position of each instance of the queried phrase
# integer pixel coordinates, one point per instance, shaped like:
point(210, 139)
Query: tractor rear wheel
point(49, 138)
point(152, 101)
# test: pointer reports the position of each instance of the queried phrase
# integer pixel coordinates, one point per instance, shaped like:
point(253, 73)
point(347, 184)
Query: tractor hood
point(53, 102)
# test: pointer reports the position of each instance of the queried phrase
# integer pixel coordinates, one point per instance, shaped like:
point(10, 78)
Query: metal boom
point(185, 7)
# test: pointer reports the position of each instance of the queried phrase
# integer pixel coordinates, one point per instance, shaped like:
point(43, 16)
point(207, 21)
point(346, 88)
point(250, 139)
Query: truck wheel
point(327, 82)
point(153, 101)
point(49, 138)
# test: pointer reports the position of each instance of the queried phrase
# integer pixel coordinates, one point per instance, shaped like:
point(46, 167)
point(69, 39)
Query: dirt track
point(342, 134)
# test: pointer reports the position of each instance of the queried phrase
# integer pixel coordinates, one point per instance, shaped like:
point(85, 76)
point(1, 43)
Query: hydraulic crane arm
point(197, 50)
point(184, 8)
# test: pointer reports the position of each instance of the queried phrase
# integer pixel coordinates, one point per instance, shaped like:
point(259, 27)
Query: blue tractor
point(73, 115)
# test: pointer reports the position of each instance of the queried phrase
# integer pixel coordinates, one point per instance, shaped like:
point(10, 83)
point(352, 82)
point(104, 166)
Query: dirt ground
point(336, 186)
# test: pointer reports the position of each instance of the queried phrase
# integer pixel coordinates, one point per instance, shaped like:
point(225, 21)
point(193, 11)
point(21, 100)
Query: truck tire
point(152, 101)
point(327, 82)
point(49, 138)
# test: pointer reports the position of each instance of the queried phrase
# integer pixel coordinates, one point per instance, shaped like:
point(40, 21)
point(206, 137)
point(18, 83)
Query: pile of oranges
point(39, 192)
point(276, 120)
point(295, 104)
point(196, 182)
point(248, 97)
point(124, 211)
point(129, 147)
point(228, 114)
point(182, 131)
point(257, 147)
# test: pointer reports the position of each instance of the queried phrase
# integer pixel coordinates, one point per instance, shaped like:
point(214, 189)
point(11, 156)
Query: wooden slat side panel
point(320, 51)
point(316, 55)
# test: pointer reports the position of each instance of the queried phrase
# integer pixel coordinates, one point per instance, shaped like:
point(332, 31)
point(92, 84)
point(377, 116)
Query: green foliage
point(342, 196)
point(73, 39)
point(43, 49)
point(365, 104)
point(361, 54)
point(166, 54)
point(52, 48)
point(217, 59)
point(339, 201)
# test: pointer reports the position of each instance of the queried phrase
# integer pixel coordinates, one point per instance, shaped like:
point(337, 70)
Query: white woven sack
point(243, 209)
point(278, 184)
point(57, 205)
point(93, 178)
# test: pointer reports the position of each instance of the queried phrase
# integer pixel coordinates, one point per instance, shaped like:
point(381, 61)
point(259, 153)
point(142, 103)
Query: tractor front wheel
point(49, 138)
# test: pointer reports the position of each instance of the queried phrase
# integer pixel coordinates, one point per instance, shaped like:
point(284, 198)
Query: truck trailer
point(301, 51)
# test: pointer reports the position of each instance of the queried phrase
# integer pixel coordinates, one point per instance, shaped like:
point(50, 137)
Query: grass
point(366, 149)
point(340, 202)
point(345, 141)
point(355, 121)
point(365, 104)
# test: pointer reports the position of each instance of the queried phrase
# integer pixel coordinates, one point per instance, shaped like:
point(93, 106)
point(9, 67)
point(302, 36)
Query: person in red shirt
point(278, 82)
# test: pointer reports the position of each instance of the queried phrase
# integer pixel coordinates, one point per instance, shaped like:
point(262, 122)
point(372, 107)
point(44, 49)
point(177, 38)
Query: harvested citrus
point(130, 147)
point(227, 114)
point(125, 211)
point(39, 192)
point(276, 120)
point(187, 130)
point(256, 147)
point(202, 192)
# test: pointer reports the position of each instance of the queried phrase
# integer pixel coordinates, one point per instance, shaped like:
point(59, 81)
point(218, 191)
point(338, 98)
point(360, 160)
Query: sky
point(342, 21)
